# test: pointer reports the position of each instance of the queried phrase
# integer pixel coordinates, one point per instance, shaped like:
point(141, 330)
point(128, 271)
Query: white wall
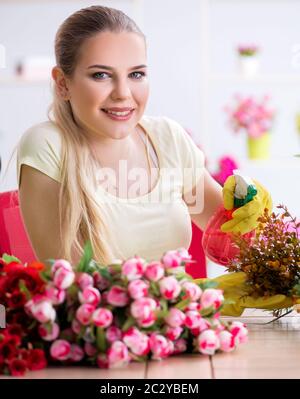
point(174, 32)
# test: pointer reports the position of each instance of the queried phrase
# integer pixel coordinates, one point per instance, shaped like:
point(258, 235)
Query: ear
point(61, 83)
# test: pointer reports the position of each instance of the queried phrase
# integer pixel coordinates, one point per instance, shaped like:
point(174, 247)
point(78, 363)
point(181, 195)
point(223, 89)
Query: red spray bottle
point(219, 246)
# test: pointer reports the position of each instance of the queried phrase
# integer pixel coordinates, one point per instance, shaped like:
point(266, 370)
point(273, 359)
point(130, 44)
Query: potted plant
point(248, 59)
point(256, 119)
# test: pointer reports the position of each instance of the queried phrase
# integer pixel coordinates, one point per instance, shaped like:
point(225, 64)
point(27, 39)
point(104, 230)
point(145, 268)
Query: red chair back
point(13, 237)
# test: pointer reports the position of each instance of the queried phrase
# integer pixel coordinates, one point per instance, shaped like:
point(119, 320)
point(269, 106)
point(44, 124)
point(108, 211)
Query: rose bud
point(208, 342)
point(60, 349)
point(90, 295)
point(102, 317)
point(169, 287)
point(133, 268)
point(154, 271)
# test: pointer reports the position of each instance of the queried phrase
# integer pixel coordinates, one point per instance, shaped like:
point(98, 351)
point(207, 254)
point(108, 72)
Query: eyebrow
point(109, 68)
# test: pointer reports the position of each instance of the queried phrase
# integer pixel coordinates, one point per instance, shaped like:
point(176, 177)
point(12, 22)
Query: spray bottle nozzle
point(245, 189)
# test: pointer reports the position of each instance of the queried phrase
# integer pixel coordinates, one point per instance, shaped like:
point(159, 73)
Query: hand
point(234, 288)
point(244, 219)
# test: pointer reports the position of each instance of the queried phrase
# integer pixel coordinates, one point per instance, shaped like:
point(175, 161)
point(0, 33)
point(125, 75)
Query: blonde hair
point(80, 214)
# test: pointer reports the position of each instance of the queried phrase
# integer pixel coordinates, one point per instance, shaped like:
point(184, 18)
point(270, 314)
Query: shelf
point(269, 78)
point(19, 81)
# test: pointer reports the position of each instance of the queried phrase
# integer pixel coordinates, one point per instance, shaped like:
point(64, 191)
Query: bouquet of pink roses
point(251, 115)
point(130, 310)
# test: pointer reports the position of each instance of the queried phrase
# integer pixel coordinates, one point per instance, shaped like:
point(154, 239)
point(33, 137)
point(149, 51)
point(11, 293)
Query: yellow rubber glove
point(244, 219)
point(235, 289)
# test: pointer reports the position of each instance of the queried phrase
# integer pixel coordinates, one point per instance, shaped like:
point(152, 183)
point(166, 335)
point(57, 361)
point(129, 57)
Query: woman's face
point(111, 73)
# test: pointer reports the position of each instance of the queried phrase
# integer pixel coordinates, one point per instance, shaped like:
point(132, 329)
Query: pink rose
point(100, 282)
point(89, 295)
point(61, 263)
point(141, 308)
point(77, 353)
point(239, 332)
point(173, 333)
point(117, 296)
point(137, 289)
point(184, 254)
point(133, 268)
point(154, 271)
point(175, 317)
point(147, 321)
point(76, 326)
point(192, 290)
point(193, 319)
point(212, 298)
point(84, 280)
point(63, 278)
point(160, 346)
point(55, 295)
point(171, 259)
point(169, 287)
point(60, 349)
point(227, 343)
point(202, 324)
point(84, 313)
point(41, 309)
point(180, 346)
point(208, 342)
point(136, 341)
point(113, 333)
point(193, 306)
point(102, 317)
point(118, 355)
point(49, 332)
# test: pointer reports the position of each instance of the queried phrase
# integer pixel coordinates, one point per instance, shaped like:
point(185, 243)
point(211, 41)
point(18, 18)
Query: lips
point(116, 117)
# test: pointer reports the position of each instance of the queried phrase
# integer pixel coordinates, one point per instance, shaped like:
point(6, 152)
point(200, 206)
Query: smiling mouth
point(123, 113)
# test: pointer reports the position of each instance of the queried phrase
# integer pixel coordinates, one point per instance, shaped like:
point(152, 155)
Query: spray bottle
point(219, 246)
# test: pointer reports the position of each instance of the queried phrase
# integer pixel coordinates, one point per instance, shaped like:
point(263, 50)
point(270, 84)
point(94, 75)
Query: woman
point(99, 169)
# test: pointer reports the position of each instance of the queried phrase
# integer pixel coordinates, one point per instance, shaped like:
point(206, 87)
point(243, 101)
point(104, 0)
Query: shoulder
point(41, 136)
point(162, 124)
point(40, 147)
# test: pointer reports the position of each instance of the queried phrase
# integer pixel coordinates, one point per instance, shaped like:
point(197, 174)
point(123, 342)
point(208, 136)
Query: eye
point(97, 75)
point(141, 75)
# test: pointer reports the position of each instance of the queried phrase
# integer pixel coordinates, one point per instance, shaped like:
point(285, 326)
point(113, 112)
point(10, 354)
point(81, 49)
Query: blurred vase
point(259, 147)
point(248, 65)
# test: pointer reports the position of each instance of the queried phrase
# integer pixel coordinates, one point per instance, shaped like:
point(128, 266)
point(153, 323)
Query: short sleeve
point(191, 157)
point(40, 148)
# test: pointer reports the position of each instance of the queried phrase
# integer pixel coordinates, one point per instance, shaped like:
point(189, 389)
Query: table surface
point(273, 351)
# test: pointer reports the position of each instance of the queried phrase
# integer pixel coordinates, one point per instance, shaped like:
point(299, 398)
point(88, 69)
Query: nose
point(121, 90)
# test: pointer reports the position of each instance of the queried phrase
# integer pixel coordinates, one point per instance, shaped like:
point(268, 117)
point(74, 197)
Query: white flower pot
point(248, 65)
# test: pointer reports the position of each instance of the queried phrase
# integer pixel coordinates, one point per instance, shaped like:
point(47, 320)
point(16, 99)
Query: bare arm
point(39, 195)
point(212, 199)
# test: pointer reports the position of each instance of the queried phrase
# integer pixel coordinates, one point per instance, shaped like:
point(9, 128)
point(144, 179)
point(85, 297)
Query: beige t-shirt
point(147, 225)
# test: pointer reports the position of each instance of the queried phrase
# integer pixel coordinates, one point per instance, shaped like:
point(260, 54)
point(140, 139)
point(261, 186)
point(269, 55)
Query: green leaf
point(130, 321)
point(10, 258)
point(24, 289)
point(101, 339)
point(183, 304)
point(86, 258)
point(154, 288)
point(209, 284)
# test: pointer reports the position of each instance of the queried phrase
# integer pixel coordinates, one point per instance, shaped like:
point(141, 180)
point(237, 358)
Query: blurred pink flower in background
point(250, 115)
